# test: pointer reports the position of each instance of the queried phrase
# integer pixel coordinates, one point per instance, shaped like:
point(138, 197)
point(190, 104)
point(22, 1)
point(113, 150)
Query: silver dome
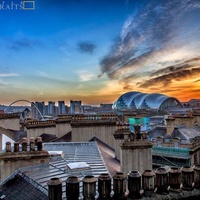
point(138, 100)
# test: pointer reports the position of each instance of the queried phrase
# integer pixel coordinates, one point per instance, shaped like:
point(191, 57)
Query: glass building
point(137, 100)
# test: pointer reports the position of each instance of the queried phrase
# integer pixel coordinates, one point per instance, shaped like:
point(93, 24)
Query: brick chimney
point(135, 152)
point(13, 159)
point(170, 124)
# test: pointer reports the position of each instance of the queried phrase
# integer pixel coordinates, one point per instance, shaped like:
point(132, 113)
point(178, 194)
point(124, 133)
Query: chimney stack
point(170, 124)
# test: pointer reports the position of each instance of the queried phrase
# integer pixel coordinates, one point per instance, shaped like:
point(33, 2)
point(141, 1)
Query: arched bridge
point(27, 102)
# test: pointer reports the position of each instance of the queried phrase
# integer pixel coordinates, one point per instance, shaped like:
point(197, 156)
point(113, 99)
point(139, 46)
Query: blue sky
point(95, 50)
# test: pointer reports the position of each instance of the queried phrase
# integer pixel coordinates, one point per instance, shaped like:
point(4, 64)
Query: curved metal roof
point(140, 100)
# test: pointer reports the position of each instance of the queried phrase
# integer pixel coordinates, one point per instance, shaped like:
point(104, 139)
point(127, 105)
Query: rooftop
point(73, 153)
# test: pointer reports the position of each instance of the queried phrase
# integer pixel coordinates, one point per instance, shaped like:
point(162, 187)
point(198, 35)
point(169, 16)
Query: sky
point(96, 50)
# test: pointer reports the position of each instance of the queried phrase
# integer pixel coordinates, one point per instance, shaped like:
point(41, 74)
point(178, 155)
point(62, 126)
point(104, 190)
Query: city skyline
point(94, 51)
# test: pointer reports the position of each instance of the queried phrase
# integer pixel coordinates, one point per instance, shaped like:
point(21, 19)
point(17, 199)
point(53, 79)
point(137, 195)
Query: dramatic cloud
point(167, 79)
point(86, 47)
point(158, 44)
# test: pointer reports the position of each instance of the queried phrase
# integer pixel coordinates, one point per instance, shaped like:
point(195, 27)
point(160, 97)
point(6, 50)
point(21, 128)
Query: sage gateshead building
point(137, 100)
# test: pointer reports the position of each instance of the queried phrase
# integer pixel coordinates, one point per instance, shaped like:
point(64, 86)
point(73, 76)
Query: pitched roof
point(185, 133)
point(20, 187)
point(71, 152)
point(108, 155)
point(158, 131)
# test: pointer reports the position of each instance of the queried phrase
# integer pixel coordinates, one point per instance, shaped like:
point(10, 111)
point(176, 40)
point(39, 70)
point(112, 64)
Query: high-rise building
point(61, 107)
point(51, 108)
point(37, 109)
point(75, 106)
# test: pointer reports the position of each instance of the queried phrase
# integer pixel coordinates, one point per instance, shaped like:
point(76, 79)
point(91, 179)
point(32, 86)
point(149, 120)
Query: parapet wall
point(10, 121)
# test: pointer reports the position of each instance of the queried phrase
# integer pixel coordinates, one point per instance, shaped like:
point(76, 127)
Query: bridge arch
point(24, 100)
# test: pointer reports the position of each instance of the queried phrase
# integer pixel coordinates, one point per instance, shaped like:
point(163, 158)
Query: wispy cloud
point(85, 75)
point(150, 42)
point(43, 74)
point(3, 83)
point(23, 42)
point(8, 74)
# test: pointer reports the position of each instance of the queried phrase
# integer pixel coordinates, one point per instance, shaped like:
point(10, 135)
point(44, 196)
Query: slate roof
point(158, 131)
point(185, 133)
point(73, 152)
point(17, 135)
point(20, 187)
point(108, 155)
point(47, 137)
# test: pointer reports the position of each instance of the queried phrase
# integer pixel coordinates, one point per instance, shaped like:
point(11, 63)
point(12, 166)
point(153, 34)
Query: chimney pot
point(162, 180)
point(24, 144)
point(89, 187)
point(72, 188)
point(55, 189)
point(39, 143)
point(16, 146)
point(8, 146)
point(148, 182)
point(119, 185)
point(134, 184)
point(197, 176)
point(175, 179)
point(104, 186)
point(187, 174)
point(32, 144)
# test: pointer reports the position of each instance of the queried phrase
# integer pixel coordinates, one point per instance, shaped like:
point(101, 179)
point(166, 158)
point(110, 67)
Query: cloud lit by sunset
point(95, 51)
